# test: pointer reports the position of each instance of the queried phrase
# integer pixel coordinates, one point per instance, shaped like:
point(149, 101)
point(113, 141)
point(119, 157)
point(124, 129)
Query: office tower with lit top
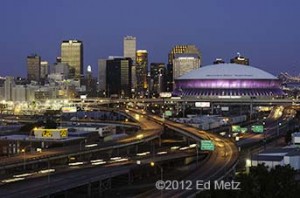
point(240, 60)
point(44, 69)
point(34, 67)
point(181, 59)
point(72, 54)
point(141, 71)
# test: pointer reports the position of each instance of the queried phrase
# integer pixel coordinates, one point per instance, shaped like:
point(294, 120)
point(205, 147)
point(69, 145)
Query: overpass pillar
point(128, 150)
point(251, 111)
point(100, 189)
point(212, 109)
point(66, 194)
point(89, 186)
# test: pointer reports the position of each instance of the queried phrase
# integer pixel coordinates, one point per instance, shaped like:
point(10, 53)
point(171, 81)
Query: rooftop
point(228, 71)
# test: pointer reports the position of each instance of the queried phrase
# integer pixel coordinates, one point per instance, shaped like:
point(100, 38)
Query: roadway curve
point(219, 163)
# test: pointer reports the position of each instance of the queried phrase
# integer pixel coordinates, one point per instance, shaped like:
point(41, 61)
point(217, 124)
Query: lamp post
point(161, 174)
point(197, 147)
point(24, 156)
point(278, 127)
point(265, 135)
point(82, 141)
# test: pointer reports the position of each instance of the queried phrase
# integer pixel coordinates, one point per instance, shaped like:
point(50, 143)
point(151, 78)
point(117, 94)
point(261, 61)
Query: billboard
point(207, 145)
point(82, 96)
point(168, 113)
point(165, 94)
point(50, 133)
point(69, 109)
point(257, 128)
point(224, 108)
point(244, 130)
point(202, 104)
point(236, 128)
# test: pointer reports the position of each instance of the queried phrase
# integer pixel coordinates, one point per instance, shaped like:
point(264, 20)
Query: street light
point(278, 128)
point(82, 141)
point(161, 174)
point(24, 155)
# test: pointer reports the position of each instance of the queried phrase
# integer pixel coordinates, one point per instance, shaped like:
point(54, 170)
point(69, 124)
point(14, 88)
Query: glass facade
point(72, 54)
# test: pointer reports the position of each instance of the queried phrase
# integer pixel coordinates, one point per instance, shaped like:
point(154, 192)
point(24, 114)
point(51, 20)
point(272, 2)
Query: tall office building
point(102, 76)
point(129, 48)
point(8, 86)
point(181, 59)
point(184, 63)
point(240, 60)
point(118, 77)
point(169, 78)
point(141, 71)
point(33, 67)
point(90, 83)
point(133, 79)
point(44, 69)
point(158, 78)
point(183, 49)
point(72, 54)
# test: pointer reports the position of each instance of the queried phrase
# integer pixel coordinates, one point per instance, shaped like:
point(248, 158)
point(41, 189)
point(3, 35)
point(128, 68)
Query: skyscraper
point(129, 48)
point(118, 76)
point(183, 49)
point(141, 71)
point(102, 76)
point(240, 60)
point(169, 78)
point(181, 59)
point(72, 54)
point(33, 67)
point(8, 85)
point(158, 74)
point(184, 63)
point(44, 69)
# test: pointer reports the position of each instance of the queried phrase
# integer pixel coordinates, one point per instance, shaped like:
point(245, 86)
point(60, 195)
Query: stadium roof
point(228, 71)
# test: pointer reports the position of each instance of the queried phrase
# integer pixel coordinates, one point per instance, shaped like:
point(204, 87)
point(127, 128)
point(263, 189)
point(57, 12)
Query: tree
point(276, 183)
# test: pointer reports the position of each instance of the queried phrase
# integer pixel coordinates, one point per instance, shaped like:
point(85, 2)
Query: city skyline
point(218, 29)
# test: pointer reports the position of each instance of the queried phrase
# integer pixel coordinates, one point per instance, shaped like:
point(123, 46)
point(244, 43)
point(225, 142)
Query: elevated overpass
point(220, 162)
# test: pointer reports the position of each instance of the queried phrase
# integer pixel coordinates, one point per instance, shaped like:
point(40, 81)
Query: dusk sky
point(266, 31)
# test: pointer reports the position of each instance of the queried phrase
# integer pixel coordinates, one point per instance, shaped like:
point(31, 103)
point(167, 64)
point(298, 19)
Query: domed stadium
point(227, 80)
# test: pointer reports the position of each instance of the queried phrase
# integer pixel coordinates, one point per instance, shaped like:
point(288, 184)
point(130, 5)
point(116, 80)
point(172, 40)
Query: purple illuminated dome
point(227, 80)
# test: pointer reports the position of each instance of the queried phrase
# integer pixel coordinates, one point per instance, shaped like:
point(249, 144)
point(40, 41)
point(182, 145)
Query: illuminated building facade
point(240, 60)
point(158, 78)
point(141, 71)
point(34, 67)
point(72, 54)
point(232, 80)
point(129, 48)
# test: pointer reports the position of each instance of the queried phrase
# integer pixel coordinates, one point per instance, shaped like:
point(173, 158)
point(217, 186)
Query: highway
point(148, 132)
point(272, 128)
point(222, 159)
point(219, 162)
point(75, 176)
